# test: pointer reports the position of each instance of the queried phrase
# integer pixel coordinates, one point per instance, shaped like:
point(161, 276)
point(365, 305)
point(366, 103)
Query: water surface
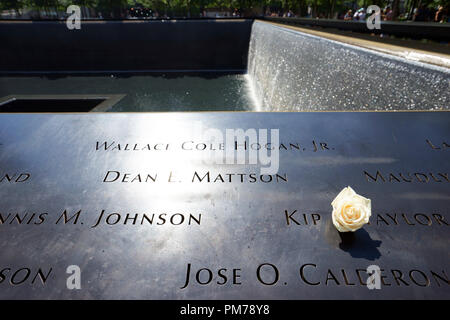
point(156, 92)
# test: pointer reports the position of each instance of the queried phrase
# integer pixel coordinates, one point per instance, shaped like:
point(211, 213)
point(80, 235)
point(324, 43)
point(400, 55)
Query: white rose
point(350, 210)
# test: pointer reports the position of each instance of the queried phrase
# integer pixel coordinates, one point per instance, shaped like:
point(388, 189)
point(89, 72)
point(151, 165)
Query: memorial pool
point(236, 65)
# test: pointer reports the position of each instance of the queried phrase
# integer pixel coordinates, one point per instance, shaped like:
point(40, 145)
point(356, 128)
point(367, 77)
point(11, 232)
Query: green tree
point(11, 5)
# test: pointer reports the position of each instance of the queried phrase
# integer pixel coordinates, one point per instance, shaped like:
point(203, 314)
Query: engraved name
point(238, 177)
point(175, 219)
point(14, 177)
point(296, 218)
point(18, 276)
point(442, 146)
point(311, 274)
point(313, 146)
point(421, 177)
point(115, 146)
point(75, 217)
point(197, 177)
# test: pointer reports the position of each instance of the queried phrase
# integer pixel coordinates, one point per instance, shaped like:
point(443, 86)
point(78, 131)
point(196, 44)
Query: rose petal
point(350, 210)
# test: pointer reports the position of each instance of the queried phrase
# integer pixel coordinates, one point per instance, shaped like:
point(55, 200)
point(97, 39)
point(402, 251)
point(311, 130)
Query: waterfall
point(294, 71)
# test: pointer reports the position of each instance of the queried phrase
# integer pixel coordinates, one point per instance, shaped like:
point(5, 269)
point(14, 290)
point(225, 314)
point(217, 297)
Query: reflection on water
point(156, 92)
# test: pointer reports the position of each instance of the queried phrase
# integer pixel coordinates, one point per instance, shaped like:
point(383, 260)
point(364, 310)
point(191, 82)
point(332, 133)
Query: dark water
point(158, 92)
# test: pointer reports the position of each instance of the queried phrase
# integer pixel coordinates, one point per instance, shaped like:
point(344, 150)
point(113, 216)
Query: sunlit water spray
point(253, 92)
point(293, 71)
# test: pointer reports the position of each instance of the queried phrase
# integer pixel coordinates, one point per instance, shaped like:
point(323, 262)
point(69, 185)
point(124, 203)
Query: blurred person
point(362, 14)
point(419, 14)
point(439, 16)
point(388, 14)
point(348, 15)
